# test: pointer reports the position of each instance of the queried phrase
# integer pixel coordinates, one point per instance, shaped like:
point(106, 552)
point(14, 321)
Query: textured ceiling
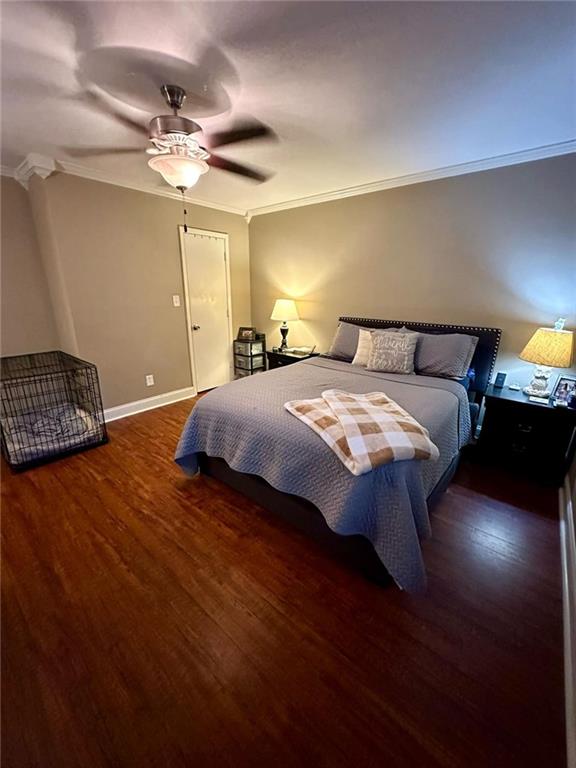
point(357, 92)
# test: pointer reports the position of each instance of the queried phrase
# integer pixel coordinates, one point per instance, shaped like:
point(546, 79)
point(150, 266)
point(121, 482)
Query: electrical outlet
point(176, 300)
point(150, 380)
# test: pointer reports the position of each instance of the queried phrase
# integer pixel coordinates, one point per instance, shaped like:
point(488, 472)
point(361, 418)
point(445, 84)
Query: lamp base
point(284, 332)
point(535, 392)
point(538, 387)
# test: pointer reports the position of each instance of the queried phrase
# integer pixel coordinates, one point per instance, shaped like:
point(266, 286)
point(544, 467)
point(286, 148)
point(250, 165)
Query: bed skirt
point(353, 551)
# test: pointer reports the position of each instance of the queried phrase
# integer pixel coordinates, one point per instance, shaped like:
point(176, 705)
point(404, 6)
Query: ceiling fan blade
point(104, 105)
point(214, 61)
point(133, 76)
point(242, 131)
point(215, 161)
point(93, 151)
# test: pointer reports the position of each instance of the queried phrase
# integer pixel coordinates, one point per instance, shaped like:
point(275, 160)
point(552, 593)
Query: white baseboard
point(148, 403)
point(568, 547)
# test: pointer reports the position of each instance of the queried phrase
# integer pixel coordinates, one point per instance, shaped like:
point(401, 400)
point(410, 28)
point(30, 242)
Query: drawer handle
point(525, 428)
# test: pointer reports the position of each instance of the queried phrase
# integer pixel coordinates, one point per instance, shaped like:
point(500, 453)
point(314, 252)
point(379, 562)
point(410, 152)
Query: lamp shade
point(284, 309)
point(179, 171)
point(549, 347)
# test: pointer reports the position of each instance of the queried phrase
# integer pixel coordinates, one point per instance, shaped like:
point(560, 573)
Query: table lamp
point(548, 348)
point(284, 309)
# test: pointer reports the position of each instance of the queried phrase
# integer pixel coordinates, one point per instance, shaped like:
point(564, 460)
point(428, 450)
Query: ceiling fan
point(177, 155)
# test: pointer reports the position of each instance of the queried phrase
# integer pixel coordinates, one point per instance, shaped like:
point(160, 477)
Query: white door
point(205, 268)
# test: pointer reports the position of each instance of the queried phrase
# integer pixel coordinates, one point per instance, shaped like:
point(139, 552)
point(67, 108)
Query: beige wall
point(50, 256)
point(114, 262)
point(27, 323)
point(494, 248)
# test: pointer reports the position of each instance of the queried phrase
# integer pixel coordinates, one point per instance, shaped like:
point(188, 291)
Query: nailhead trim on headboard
point(484, 357)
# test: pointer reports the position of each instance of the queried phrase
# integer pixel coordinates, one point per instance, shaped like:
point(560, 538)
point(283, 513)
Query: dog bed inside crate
point(50, 406)
point(35, 436)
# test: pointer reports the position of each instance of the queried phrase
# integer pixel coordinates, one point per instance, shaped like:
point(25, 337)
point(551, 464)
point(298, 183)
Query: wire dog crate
point(50, 406)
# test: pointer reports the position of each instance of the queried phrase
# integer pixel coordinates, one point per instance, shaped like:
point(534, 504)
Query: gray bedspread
point(246, 424)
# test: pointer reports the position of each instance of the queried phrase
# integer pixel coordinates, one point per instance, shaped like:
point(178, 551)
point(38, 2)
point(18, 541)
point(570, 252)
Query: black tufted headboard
point(484, 357)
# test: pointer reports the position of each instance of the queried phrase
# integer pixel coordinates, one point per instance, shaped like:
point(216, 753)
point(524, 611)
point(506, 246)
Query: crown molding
point(498, 161)
point(34, 164)
point(44, 166)
point(89, 173)
point(73, 169)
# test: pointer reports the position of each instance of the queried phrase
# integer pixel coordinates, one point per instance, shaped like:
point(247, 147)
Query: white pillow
point(364, 347)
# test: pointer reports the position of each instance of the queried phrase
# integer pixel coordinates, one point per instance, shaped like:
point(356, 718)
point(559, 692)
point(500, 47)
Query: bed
point(241, 434)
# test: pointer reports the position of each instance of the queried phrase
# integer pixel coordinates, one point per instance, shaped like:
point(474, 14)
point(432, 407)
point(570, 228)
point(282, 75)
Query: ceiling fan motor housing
point(163, 124)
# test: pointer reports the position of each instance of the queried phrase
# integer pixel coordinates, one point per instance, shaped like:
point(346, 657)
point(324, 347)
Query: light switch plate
point(150, 380)
point(176, 300)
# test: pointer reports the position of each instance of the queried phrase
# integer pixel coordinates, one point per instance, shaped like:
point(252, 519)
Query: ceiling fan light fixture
point(180, 171)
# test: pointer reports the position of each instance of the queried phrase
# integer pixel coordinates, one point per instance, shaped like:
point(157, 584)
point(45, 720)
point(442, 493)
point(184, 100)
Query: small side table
point(249, 356)
point(278, 359)
point(536, 438)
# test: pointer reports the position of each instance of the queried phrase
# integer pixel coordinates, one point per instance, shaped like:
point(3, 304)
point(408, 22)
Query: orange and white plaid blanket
point(364, 431)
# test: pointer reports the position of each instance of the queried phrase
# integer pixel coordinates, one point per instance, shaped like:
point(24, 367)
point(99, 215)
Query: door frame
point(189, 333)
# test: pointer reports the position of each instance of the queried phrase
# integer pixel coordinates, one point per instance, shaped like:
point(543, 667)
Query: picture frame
point(246, 333)
point(565, 388)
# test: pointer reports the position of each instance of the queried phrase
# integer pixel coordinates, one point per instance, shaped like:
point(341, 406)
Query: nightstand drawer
point(277, 359)
point(240, 374)
point(248, 348)
point(249, 363)
point(516, 419)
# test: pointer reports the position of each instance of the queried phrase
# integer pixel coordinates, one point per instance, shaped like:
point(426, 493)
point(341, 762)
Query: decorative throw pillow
point(392, 352)
point(365, 336)
point(345, 341)
point(364, 347)
point(444, 354)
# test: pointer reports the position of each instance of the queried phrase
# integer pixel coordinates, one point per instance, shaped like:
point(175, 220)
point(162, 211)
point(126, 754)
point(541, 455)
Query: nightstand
point(535, 438)
point(277, 359)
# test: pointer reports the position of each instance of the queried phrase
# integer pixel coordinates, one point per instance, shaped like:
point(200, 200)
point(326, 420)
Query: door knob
point(195, 327)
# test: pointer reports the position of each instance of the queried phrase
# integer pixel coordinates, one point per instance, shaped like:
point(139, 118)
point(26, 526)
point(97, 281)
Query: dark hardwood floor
point(153, 620)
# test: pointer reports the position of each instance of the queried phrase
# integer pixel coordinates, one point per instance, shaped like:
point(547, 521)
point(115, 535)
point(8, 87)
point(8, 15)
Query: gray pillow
point(345, 341)
point(392, 352)
point(444, 354)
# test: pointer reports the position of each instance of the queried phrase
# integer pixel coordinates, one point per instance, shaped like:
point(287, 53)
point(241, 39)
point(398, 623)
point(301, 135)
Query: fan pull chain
point(182, 190)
